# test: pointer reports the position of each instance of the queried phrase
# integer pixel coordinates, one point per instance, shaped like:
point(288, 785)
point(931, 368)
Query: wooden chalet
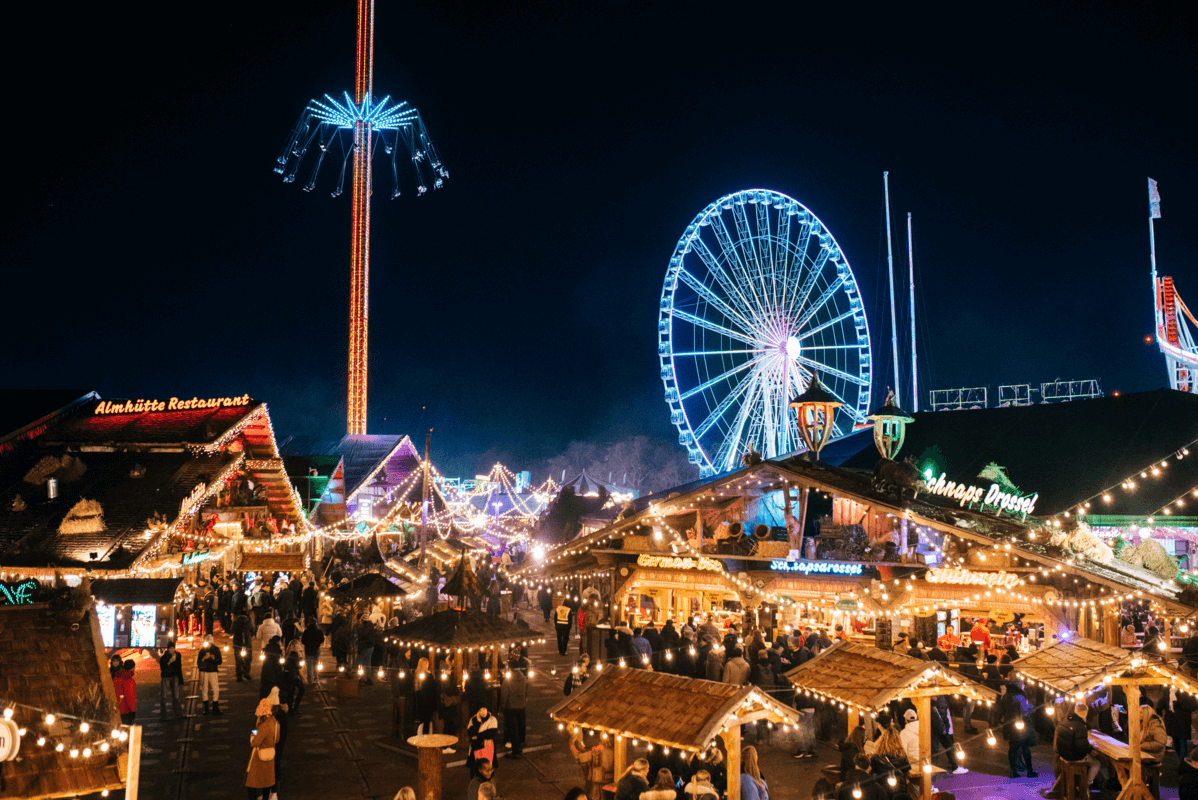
point(668, 711)
point(1078, 667)
point(864, 679)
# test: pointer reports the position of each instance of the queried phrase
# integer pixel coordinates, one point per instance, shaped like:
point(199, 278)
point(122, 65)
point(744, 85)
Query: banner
point(1154, 200)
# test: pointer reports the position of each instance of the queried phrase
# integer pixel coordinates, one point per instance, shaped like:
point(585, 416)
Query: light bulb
point(49, 719)
point(84, 727)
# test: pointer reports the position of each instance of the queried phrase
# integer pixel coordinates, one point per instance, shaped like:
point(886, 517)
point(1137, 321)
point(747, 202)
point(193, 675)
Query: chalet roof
point(272, 562)
point(47, 665)
point(664, 709)
point(458, 630)
point(32, 537)
point(200, 426)
point(367, 586)
point(1079, 665)
point(127, 591)
point(26, 411)
point(1103, 442)
point(869, 678)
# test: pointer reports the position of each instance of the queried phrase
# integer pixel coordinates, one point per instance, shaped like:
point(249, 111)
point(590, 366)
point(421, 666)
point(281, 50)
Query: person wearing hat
point(910, 735)
point(208, 660)
point(260, 773)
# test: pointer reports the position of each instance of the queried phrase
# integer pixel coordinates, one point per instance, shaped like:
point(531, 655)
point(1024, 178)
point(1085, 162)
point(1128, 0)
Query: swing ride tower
point(356, 126)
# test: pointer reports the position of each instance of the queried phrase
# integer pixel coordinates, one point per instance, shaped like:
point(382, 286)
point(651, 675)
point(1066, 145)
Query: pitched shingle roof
point(451, 630)
point(47, 665)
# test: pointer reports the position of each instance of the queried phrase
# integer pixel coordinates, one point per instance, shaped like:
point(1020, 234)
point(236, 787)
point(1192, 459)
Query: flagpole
point(1153, 213)
point(911, 280)
point(890, 261)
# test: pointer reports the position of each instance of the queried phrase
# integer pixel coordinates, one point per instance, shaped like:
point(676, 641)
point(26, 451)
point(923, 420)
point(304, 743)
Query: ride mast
point(359, 282)
point(911, 280)
point(890, 262)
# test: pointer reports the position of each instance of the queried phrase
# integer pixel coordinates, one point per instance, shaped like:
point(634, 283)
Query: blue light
point(818, 567)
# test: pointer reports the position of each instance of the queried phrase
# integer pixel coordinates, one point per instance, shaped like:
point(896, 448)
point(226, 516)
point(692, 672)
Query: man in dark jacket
point(1018, 730)
point(285, 603)
point(942, 732)
point(545, 601)
point(309, 604)
point(312, 639)
point(170, 665)
point(208, 659)
point(1071, 743)
point(243, 645)
point(1178, 715)
point(656, 645)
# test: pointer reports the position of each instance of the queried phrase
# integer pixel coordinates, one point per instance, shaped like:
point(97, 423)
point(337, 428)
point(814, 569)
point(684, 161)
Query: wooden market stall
point(864, 679)
point(1080, 666)
point(669, 711)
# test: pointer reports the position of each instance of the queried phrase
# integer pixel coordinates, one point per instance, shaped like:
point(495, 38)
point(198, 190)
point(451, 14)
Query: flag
point(1154, 200)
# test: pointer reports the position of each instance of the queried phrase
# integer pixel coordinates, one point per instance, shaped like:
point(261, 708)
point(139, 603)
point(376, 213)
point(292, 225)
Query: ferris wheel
point(757, 298)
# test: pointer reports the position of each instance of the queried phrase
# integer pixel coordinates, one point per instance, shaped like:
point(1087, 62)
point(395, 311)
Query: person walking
point(942, 732)
point(545, 601)
point(481, 732)
point(1178, 709)
point(260, 772)
point(170, 669)
point(561, 625)
point(1018, 730)
point(208, 660)
point(312, 639)
point(243, 645)
point(513, 697)
point(126, 692)
point(367, 634)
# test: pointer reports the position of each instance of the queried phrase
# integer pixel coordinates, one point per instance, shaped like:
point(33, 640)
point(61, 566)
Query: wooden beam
point(923, 707)
point(731, 739)
point(621, 747)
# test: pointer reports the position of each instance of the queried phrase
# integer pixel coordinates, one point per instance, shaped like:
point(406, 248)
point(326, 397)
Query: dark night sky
point(151, 251)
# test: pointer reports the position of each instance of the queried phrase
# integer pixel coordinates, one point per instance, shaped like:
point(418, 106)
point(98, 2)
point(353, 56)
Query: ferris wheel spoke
point(814, 308)
point(714, 327)
point(731, 443)
point(856, 346)
point(707, 384)
point(731, 254)
point(829, 323)
point(794, 303)
point(824, 369)
point(718, 352)
point(722, 409)
point(711, 297)
point(727, 283)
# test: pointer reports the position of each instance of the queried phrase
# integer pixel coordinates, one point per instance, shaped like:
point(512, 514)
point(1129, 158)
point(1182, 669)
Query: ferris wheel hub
point(792, 347)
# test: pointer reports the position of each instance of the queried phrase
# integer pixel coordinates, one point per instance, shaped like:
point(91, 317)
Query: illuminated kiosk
point(136, 612)
point(865, 679)
point(1079, 669)
point(652, 709)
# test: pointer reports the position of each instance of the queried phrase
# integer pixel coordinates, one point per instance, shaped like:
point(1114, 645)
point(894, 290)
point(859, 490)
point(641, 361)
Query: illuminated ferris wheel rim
point(778, 335)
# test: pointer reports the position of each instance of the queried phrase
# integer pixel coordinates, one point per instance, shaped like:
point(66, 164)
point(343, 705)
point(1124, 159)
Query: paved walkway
point(344, 749)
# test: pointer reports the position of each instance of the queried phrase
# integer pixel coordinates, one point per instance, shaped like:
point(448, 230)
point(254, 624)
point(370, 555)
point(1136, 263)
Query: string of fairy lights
point(1129, 485)
point(74, 736)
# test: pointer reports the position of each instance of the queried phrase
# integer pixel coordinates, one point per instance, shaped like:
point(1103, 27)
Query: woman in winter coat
point(260, 775)
point(1152, 733)
point(126, 692)
point(482, 731)
point(890, 757)
point(662, 788)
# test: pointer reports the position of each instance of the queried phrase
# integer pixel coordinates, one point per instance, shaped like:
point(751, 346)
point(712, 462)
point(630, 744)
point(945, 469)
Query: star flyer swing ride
point(758, 299)
point(357, 126)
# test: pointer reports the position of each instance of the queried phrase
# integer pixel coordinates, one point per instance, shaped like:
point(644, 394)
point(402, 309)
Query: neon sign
point(1004, 580)
point(817, 567)
point(672, 562)
point(174, 404)
point(18, 594)
point(195, 558)
point(965, 494)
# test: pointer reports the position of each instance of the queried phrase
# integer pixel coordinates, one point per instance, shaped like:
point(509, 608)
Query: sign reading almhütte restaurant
point(174, 404)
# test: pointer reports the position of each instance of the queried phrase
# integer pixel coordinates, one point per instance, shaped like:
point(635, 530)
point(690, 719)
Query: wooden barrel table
point(430, 767)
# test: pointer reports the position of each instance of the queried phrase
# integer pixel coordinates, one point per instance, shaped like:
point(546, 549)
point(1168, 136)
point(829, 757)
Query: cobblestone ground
point(344, 749)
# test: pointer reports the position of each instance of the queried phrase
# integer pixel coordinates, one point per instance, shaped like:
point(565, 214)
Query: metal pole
point(911, 280)
point(890, 262)
point(424, 497)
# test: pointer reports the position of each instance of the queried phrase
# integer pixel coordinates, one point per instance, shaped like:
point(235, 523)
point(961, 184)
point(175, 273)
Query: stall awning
point(868, 678)
point(272, 562)
point(665, 709)
point(136, 591)
point(452, 630)
point(1080, 665)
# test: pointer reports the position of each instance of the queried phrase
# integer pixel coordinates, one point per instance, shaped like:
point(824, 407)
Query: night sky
point(151, 251)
